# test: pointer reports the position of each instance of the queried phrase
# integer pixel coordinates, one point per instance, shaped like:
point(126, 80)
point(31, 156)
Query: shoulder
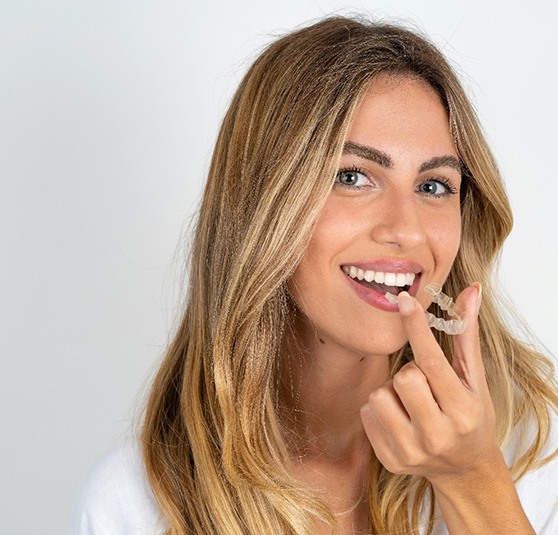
point(115, 497)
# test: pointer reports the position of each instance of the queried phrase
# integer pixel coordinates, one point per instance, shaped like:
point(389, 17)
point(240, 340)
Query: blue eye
point(351, 178)
point(437, 188)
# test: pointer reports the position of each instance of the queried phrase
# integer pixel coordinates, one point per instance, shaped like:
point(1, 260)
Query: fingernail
point(406, 305)
point(478, 286)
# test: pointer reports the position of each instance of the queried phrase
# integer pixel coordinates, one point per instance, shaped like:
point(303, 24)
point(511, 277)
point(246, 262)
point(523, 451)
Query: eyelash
point(352, 169)
point(450, 188)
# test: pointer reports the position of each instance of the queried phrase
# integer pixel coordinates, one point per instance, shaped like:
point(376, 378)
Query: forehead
point(402, 113)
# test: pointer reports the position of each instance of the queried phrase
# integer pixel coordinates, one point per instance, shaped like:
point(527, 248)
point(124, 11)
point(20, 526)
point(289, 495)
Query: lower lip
point(377, 299)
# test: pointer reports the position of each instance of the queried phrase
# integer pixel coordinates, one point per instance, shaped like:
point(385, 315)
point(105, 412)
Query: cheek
point(446, 236)
point(332, 233)
point(334, 230)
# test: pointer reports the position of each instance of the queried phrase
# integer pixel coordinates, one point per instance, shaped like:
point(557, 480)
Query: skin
point(432, 419)
point(388, 218)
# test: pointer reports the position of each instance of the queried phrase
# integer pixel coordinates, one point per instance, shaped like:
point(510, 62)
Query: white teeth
point(379, 277)
point(389, 279)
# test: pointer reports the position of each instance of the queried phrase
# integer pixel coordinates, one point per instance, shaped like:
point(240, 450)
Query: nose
point(399, 223)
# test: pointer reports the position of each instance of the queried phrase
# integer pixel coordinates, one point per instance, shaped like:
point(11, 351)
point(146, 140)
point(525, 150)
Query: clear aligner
point(445, 302)
point(447, 326)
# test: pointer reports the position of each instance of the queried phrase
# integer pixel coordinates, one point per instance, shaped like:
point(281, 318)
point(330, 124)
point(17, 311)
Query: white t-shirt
point(116, 499)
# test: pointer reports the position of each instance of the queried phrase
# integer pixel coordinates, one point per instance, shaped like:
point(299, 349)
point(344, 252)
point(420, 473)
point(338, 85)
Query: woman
point(296, 397)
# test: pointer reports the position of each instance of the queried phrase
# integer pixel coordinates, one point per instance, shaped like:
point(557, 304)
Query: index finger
point(429, 357)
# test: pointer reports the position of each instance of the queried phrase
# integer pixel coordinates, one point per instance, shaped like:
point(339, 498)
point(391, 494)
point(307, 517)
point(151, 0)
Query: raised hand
point(437, 420)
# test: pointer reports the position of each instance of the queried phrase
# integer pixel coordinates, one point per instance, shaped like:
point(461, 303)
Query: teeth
point(389, 279)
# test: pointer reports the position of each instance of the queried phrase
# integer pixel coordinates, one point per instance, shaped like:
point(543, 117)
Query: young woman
point(297, 397)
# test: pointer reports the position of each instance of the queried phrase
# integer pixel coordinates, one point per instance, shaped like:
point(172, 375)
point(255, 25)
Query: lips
point(372, 280)
point(371, 277)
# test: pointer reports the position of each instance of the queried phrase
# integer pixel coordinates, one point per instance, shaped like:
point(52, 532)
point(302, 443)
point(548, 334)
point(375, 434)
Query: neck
point(324, 387)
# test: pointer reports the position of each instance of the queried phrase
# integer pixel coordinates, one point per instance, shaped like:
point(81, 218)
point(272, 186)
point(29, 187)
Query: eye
point(437, 188)
point(351, 178)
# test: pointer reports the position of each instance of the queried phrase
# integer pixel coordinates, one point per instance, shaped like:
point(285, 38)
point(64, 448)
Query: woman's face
point(391, 222)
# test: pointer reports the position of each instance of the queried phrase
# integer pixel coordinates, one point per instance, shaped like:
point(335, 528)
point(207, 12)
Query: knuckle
point(380, 396)
point(436, 447)
point(408, 375)
point(392, 463)
point(433, 363)
point(398, 469)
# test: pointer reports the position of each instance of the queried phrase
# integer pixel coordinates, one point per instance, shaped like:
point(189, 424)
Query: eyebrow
point(442, 161)
point(368, 153)
point(381, 158)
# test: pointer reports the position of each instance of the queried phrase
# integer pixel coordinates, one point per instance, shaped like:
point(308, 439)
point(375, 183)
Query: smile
point(372, 285)
point(395, 281)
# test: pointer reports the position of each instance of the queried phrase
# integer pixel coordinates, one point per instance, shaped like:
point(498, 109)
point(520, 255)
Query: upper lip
point(389, 265)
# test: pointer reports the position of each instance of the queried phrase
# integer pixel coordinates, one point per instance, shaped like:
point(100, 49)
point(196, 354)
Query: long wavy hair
point(213, 443)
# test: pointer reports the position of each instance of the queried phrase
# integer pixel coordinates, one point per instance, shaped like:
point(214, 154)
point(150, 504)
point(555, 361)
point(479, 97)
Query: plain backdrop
point(108, 114)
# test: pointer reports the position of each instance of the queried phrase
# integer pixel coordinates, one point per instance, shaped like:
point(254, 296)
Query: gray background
point(108, 113)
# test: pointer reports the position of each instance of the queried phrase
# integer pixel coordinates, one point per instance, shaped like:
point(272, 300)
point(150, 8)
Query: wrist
point(482, 500)
point(482, 476)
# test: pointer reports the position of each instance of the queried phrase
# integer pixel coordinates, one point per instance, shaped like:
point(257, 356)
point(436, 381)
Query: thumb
point(467, 357)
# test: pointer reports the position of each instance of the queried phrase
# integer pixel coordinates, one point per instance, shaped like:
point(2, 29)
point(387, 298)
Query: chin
point(362, 341)
point(381, 345)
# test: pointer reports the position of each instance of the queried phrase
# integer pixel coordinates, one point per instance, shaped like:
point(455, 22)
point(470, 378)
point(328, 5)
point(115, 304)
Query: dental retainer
point(453, 326)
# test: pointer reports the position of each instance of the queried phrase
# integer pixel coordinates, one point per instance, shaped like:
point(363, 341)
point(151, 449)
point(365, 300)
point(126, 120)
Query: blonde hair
point(213, 442)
